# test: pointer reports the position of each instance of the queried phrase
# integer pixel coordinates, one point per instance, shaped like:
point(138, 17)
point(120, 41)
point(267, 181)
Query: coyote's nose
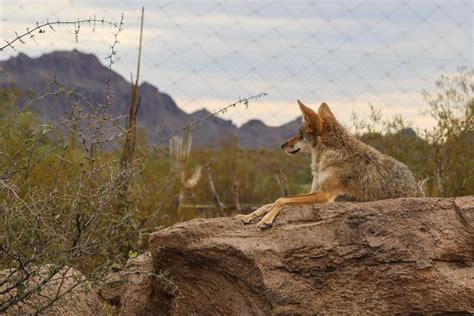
point(282, 146)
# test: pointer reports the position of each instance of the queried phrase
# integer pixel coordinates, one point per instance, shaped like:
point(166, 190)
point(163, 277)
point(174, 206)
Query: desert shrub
point(56, 206)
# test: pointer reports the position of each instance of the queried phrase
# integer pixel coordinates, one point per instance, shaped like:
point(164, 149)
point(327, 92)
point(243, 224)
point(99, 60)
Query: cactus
point(180, 148)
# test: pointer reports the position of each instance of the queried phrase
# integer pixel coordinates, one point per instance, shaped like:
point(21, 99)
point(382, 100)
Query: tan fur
point(341, 165)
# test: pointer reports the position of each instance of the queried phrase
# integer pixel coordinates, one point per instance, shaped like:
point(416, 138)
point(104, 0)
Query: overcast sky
point(207, 54)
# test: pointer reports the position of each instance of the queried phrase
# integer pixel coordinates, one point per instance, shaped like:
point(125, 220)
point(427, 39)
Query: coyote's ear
point(325, 112)
point(311, 119)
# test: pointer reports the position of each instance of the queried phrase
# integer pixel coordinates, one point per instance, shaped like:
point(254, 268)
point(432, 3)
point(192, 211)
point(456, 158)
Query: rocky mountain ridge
point(159, 114)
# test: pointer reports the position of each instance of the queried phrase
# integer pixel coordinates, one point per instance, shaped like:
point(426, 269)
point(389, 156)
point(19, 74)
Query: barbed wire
point(222, 110)
point(39, 28)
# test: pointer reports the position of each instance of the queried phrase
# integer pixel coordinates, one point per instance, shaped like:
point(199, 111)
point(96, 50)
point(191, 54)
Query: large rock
point(394, 256)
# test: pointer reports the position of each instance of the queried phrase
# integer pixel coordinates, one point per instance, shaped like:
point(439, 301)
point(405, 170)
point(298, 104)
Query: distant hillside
point(158, 115)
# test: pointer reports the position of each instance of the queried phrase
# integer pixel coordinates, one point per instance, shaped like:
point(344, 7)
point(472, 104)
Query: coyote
point(340, 165)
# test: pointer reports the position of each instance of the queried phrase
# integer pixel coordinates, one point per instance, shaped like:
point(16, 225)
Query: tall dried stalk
point(131, 131)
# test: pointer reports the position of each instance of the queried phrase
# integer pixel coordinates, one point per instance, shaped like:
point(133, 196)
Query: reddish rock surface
point(386, 257)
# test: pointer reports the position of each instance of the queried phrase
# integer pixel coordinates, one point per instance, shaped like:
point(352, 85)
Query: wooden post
point(214, 191)
point(286, 191)
point(236, 195)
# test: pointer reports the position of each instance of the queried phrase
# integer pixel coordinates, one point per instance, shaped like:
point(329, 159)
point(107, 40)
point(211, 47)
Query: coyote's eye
point(302, 133)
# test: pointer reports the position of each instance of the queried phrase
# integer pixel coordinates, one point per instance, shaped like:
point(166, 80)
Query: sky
point(207, 54)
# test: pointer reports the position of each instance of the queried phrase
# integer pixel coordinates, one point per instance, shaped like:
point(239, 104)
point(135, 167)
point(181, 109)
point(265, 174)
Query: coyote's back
point(363, 172)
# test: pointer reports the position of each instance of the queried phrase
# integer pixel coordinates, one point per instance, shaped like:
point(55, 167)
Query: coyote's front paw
point(244, 218)
point(265, 224)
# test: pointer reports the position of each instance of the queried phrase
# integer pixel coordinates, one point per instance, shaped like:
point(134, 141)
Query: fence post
point(218, 202)
point(236, 195)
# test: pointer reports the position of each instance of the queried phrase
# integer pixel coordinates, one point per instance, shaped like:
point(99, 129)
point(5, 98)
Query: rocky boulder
point(400, 256)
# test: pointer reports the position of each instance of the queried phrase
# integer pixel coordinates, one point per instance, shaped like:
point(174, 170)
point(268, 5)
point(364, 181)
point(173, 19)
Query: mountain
point(256, 134)
point(158, 115)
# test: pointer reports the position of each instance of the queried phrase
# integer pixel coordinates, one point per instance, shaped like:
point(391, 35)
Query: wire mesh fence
point(90, 207)
point(350, 54)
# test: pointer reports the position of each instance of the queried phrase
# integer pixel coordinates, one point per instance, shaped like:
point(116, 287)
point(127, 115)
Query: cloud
point(209, 53)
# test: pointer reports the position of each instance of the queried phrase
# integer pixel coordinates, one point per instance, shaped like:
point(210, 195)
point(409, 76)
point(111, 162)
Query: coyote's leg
point(310, 198)
point(247, 218)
